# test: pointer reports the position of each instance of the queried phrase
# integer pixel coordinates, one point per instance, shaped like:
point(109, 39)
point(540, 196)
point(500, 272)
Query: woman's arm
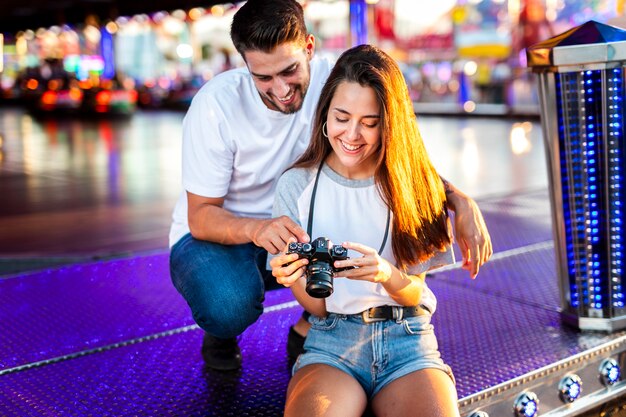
point(403, 288)
point(470, 230)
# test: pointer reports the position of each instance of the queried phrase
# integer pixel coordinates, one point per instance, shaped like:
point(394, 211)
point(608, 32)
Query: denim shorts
point(375, 354)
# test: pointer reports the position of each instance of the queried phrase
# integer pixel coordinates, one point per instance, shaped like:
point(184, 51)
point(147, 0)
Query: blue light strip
point(358, 22)
point(567, 109)
point(615, 156)
point(595, 211)
point(106, 49)
point(581, 154)
point(591, 112)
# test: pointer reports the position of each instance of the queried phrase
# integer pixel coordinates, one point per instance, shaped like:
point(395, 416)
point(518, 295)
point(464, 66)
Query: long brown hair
point(405, 177)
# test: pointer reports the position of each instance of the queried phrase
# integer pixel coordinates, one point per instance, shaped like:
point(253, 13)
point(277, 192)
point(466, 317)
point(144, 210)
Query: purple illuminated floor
point(113, 338)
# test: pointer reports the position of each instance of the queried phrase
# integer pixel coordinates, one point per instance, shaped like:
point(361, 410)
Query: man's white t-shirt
point(235, 147)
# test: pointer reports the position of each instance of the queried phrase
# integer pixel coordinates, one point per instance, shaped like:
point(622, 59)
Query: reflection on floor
point(106, 188)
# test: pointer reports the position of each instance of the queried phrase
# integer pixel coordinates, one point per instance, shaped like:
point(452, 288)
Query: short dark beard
point(303, 88)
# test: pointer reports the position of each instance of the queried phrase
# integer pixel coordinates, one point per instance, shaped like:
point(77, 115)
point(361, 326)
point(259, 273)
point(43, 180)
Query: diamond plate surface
point(60, 311)
point(159, 377)
point(132, 349)
point(519, 220)
point(487, 339)
point(528, 277)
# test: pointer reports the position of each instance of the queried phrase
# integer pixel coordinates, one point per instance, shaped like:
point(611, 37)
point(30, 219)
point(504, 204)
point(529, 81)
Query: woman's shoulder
point(293, 182)
point(291, 187)
point(296, 177)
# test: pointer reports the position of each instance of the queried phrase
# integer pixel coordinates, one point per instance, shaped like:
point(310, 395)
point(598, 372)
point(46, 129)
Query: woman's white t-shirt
point(348, 210)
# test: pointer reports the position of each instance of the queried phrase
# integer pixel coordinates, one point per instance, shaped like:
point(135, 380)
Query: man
point(242, 130)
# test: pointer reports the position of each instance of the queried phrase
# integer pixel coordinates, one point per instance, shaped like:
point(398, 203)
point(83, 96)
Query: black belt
point(383, 313)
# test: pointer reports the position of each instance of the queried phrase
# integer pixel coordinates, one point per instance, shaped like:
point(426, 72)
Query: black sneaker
point(221, 354)
point(295, 345)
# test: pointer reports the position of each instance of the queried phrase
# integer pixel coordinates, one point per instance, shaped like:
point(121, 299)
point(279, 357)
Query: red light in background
point(49, 98)
point(103, 98)
point(32, 84)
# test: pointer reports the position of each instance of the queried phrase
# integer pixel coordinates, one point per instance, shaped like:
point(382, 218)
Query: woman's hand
point(470, 230)
point(287, 268)
point(369, 267)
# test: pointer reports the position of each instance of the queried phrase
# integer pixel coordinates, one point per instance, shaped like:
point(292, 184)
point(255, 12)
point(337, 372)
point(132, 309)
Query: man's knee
point(222, 289)
point(226, 320)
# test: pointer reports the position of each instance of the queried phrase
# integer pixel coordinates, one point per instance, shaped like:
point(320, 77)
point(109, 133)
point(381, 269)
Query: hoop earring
point(324, 130)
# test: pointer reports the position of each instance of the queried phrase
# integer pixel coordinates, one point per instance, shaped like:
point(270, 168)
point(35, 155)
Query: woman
point(366, 182)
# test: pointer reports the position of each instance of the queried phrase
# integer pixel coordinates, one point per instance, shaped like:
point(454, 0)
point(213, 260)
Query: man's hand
point(209, 221)
point(274, 234)
point(470, 230)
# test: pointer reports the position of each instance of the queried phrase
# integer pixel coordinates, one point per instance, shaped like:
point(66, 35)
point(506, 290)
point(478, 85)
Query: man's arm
point(208, 220)
point(470, 230)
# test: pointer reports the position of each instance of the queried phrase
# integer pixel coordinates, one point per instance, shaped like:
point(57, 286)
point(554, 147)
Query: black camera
point(321, 254)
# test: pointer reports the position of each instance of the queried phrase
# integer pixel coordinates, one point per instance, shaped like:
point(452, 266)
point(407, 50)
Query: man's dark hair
point(261, 25)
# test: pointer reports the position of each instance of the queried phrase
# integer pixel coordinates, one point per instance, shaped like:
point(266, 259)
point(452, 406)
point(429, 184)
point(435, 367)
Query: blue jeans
point(223, 284)
point(374, 354)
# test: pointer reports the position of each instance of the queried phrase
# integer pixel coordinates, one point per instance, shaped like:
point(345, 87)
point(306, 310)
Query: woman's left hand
point(369, 267)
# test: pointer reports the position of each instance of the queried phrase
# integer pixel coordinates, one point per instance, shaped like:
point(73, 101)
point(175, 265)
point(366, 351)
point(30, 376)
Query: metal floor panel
point(70, 309)
point(113, 338)
point(488, 339)
point(158, 377)
point(515, 221)
point(528, 278)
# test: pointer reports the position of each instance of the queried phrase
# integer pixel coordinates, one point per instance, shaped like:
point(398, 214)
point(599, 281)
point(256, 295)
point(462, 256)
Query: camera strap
point(309, 227)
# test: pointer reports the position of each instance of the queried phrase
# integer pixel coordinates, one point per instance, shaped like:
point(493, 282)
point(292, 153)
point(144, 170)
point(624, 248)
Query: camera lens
point(319, 281)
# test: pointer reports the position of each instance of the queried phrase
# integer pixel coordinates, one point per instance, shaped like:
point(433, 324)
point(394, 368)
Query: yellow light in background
point(179, 14)
point(470, 68)
point(92, 34)
point(28, 146)
point(459, 14)
point(469, 106)
point(172, 25)
point(217, 10)
point(196, 13)
point(111, 27)
point(184, 51)
point(520, 142)
point(21, 45)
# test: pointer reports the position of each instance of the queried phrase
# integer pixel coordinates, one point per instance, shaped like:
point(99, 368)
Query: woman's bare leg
point(426, 393)
point(321, 390)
